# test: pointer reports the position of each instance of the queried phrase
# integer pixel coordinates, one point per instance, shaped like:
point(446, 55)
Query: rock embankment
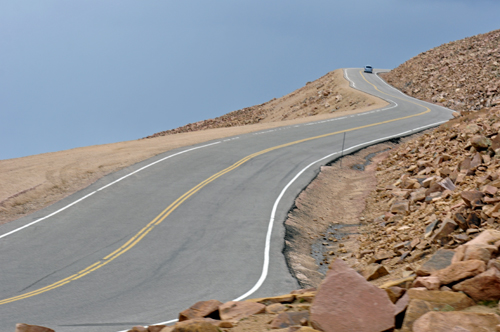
point(463, 75)
point(457, 290)
point(438, 191)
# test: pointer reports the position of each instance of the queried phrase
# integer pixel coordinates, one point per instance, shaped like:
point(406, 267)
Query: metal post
point(342, 154)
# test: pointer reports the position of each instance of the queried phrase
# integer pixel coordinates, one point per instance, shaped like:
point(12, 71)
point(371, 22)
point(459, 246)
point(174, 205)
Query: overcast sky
point(83, 72)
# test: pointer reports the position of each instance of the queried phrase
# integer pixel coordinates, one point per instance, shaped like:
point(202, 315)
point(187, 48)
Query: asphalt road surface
point(195, 225)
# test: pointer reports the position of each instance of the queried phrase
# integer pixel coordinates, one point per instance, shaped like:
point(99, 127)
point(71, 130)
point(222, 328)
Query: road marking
point(104, 187)
point(165, 213)
point(267, 247)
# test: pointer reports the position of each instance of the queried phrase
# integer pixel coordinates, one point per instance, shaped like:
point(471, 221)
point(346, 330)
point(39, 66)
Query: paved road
point(193, 226)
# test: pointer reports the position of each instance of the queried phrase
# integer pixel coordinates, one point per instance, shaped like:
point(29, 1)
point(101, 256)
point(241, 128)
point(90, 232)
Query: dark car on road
point(368, 69)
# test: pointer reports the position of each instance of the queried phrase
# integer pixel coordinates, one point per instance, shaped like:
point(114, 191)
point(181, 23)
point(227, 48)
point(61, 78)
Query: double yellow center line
point(165, 213)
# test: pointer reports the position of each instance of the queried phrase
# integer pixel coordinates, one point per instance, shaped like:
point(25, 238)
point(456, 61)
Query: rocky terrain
point(324, 95)
point(463, 75)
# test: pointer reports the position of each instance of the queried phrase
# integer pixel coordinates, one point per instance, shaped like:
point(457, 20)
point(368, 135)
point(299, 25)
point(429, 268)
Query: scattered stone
point(306, 297)
point(234, 311)
point(374, 271)
point(471, 196)
point(400, 207)
point(478, 252)
point(487, 237)
point(442, 234)
point(447, 321)
point(483, 287)
point(201, 309)
point(460, 270)
point(403, 282)
point(416, 309)
point(431, 283)
point(402, 304)
point(395, 293)
point(440, 260)
point(195, 326)
point(286, 319)
point(287, 298)
point(275, 308)
point(458, 301)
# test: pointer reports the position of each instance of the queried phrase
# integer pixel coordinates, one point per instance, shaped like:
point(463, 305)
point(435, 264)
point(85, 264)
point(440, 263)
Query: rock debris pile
point(463, 75)
point(439, 190)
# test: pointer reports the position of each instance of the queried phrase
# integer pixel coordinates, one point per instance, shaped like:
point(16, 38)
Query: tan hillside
point(326, 95)
point(33, 182)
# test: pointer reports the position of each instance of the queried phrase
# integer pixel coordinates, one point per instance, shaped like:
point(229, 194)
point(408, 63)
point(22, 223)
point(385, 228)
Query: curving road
point(198, 223)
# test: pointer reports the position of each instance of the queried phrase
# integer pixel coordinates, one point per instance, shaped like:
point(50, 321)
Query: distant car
point(369, 69)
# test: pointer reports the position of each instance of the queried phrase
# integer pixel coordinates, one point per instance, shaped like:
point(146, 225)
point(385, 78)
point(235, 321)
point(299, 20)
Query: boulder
point(483, 287)
point(460, 270)
point(201, 309)
point(21, 327)
point(234, 311)
point(446, 321)
point(345, 301)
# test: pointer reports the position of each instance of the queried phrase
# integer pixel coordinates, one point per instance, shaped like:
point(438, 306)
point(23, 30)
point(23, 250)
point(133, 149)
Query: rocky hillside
point(463, 75)
point(323, 96)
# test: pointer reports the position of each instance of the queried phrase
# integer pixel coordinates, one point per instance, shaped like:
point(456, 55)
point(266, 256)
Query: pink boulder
point(346, 302)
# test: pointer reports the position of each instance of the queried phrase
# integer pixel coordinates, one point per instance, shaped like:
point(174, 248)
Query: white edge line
point(106, 186)
point(267, 247)
point(404, 94)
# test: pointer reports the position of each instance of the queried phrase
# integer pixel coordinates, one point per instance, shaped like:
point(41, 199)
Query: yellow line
point(165, 213)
